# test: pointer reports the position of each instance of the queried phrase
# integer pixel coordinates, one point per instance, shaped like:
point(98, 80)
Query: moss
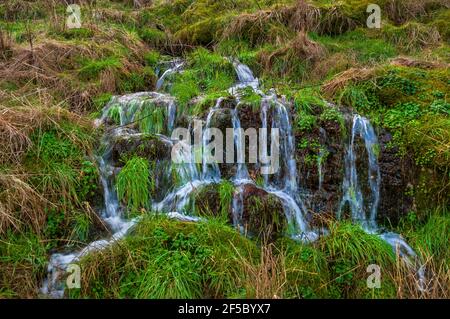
point(412, 36)
point(22, 264)
point(206, 71)
point(264, 217)
point(92, 68)
point(152, 36)
point(143, 80)
point(79, 33)
point(152, 58)
point(362, 44)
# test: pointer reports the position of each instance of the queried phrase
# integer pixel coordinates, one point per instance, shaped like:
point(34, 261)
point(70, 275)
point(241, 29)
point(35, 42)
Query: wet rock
point(263, 214)
point(396, 174)
point(147, 146)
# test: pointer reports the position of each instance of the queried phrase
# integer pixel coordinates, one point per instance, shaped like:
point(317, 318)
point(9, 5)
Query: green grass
point(226, 190)
point(365, 46)
point(152, 118)
point(133, 183)
point(92, 68)
point(206, 72)
point(169, 259)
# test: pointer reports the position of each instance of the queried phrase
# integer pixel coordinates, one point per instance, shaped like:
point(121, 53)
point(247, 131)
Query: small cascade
point(353, 195)
point(123, 115)
point(246, 79)
point(175, 66)
point(126, 107)
point(284, 184)
point(365, 214)
point(238, 206)
point(211, 169)
point(242, 172)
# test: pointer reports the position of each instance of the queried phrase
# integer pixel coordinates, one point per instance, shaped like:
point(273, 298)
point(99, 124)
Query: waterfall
point(175, 66)
point(351, 187)
point(365, 215)
point(127, 107)
point(211, 169)
point(283, 184)
point(241, 172)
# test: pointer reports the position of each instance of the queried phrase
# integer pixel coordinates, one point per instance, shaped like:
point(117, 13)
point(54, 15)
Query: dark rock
point(146, 146)
point(263, 214)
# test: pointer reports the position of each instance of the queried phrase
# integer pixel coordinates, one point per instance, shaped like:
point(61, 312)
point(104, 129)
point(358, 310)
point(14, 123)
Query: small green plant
point(87, 181)
point(226, 189)
point(151, 118)
point(92, 68)
point(133, 184)
point(305, 122)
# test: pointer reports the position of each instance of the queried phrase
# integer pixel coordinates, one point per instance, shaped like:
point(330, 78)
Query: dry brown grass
point(344, 78)
point(301, 47)
point(332, 64)
point(413, 36)
point(400, 11)
point(254, 27)
point(437, 281)
point(267, 278)
point(410, 62)
point(20, 204)
point(302, 16)
point(335, 21)
point(25, 114)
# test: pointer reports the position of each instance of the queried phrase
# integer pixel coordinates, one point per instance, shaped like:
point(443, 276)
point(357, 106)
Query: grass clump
point(164, 258)
point(226, 190)
point(206, 72)
point(92, 68)
point(152, 118)
point(133, 183)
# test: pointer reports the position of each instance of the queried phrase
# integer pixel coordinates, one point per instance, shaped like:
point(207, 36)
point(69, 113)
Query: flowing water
point(364, 208)
point(283, 184)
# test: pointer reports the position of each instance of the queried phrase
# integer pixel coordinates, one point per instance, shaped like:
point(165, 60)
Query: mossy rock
point(263, 214)
point(147, 146)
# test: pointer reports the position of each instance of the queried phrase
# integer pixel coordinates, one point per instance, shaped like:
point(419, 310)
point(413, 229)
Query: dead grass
point(437, 280)
point(410, 62)
point(267, 278)
point(400, 11)
point(24, 115)
point(20, 204)
point(302, 16)
point(300, 48)
point(342, 79)
point(334, 21)
point(254, 27)
point(411, 37)
point(332, 64)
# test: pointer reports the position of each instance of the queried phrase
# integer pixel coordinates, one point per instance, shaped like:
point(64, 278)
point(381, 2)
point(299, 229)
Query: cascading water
point(351, 187)
point(365, 215)
point(283, 184)
point(175, 66)
point(127, 106)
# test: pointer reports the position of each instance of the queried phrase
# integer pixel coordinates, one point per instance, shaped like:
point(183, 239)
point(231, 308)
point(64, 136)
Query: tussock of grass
point(169, 259)
point(133, 183)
